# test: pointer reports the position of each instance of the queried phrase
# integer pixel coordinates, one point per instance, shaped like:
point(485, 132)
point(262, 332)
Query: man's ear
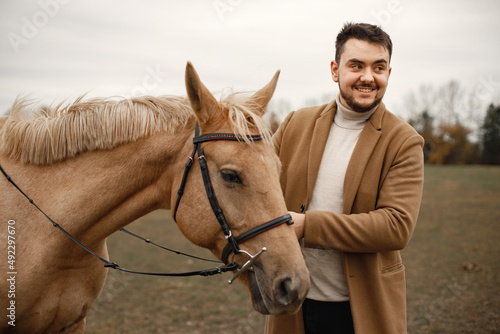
point(334, 67)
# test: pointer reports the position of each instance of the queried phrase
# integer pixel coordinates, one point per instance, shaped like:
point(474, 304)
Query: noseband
point(232, 241)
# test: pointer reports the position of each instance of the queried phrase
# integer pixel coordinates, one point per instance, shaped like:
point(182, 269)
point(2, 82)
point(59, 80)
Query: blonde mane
point(49, 136)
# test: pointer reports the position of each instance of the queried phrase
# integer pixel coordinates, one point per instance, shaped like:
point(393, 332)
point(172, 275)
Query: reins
point(149, 241)
point(114, 265)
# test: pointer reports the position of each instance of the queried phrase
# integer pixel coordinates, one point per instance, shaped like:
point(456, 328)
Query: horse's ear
point(259, 100)
point(202, 101)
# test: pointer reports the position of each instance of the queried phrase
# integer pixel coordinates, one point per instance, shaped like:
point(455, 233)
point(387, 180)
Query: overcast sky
point(54, 50)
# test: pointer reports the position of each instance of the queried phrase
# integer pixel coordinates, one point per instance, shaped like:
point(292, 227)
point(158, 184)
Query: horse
point(98, 164)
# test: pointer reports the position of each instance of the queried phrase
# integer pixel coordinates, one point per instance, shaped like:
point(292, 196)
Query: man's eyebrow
point(354, 60)
point(357, 61)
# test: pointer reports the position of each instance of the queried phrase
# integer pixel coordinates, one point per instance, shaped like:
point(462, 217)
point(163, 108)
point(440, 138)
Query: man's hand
point(298, 219)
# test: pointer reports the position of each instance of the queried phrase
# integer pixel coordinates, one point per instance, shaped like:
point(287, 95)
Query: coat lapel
point(318, 142)
point(362, 152)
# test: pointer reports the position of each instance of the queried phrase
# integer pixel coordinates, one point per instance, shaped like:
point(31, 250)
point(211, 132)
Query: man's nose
point(367, 75)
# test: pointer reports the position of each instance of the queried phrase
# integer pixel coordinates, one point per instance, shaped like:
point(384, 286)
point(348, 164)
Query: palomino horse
point(96, 166)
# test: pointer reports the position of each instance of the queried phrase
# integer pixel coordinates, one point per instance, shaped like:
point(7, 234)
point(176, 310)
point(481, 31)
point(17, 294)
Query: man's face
point(362, 75)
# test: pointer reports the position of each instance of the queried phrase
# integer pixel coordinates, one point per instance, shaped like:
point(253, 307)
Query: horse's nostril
point(286, 291)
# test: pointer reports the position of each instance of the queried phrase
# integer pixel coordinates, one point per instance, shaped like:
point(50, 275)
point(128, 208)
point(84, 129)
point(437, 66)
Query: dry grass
point(452, 262)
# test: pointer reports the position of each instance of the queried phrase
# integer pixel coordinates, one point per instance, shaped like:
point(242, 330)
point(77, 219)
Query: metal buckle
point(247, 265)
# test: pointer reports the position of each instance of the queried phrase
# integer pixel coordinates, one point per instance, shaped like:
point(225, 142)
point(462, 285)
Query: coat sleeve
point(389, 224)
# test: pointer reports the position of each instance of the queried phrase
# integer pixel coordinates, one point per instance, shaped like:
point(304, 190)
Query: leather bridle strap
point(223, 136)
point(197, 140)
point(212, 198)
point(233, 242)
point(180, 192)
point(255, 231)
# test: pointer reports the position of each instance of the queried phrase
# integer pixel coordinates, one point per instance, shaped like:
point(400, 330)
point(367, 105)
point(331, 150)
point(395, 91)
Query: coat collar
point(363, 150)
point(318, 143)
point(359, 159)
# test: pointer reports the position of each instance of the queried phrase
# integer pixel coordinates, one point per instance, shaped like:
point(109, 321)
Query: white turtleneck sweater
point(328, 281)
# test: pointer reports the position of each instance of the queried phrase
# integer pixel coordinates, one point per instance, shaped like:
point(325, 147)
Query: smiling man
point(352, 177)
point(364, 69)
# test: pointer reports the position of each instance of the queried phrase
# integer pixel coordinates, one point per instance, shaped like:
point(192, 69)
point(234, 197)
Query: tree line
point(456, 128)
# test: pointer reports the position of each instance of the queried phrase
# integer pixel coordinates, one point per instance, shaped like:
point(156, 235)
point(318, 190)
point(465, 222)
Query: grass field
point(453, 260)
point(452, 263)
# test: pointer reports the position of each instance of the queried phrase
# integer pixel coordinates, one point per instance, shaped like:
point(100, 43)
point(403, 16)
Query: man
point(354, 171)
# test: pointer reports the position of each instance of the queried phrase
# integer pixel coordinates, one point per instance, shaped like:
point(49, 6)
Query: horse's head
point(245, 179)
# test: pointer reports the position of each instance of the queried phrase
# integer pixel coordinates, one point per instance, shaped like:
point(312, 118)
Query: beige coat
point(382, 194)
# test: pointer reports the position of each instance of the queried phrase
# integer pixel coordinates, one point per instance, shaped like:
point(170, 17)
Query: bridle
point(233, 242)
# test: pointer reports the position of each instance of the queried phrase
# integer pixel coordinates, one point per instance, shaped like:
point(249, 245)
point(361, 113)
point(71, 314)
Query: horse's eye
point(230, 176)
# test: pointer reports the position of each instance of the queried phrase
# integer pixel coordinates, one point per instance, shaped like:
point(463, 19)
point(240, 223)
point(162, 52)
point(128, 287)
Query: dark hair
point(365, 32)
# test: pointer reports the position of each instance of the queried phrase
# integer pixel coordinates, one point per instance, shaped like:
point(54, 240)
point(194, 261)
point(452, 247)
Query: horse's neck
point(99, 192)
point(138, 181)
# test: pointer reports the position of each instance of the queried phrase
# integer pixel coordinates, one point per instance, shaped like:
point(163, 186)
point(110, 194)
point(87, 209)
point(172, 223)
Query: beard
point(354, 105)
